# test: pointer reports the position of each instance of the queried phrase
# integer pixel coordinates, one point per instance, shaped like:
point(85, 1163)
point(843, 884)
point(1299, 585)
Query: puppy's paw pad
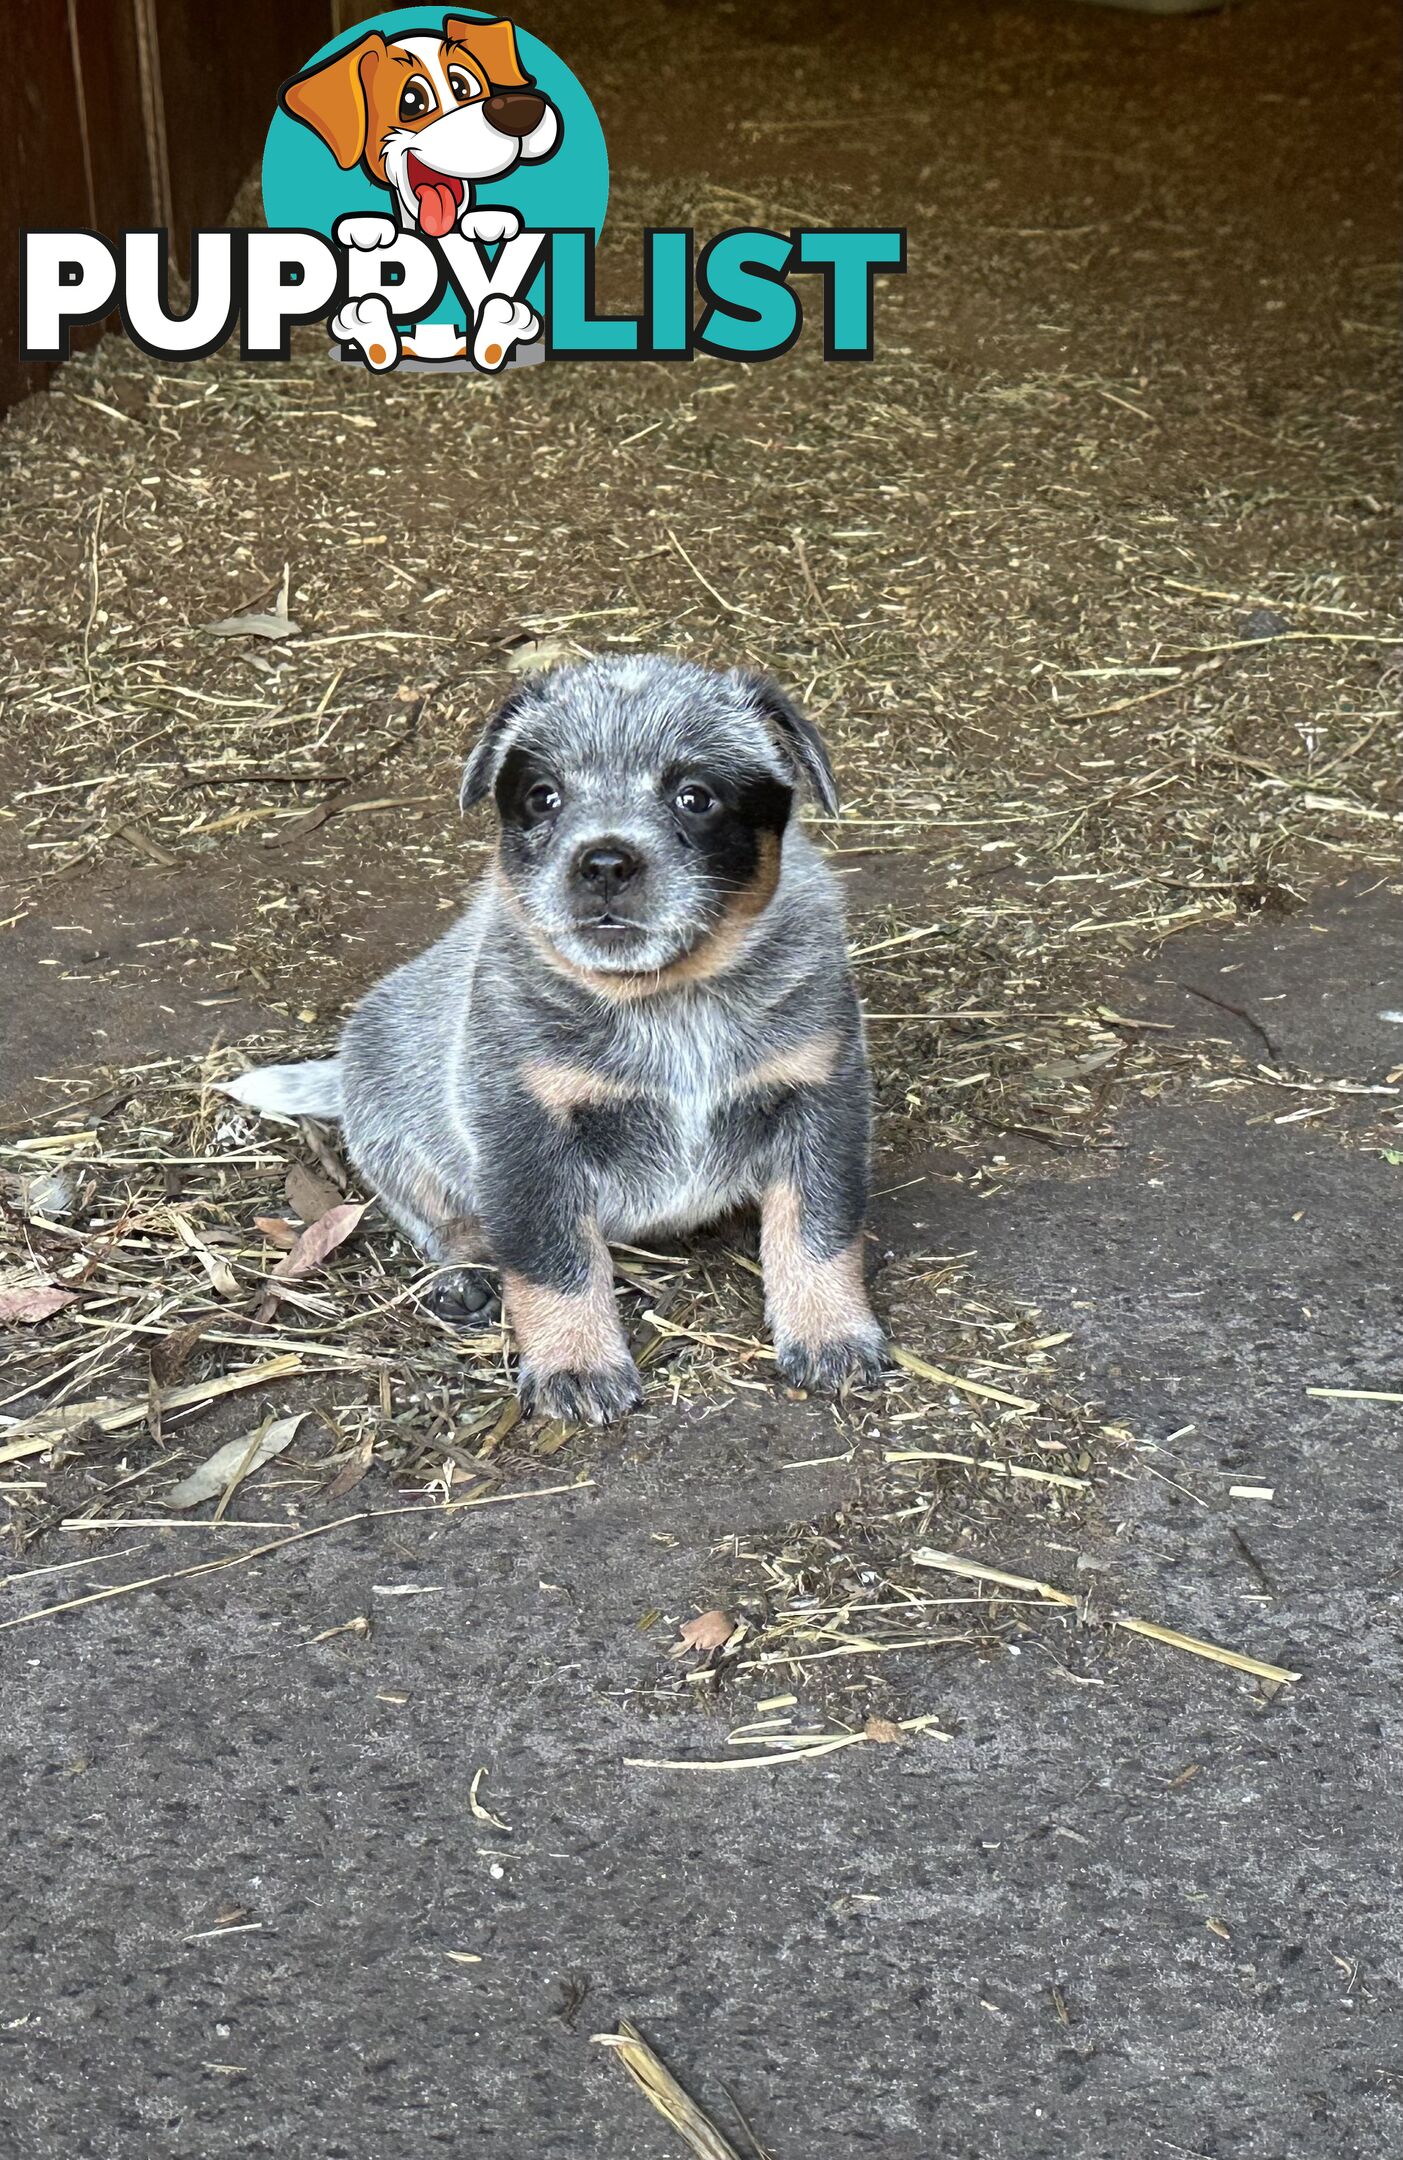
point(583, 1398)
point(489, 225)
point(367, 324)
point(366, 233)
point(465, 1298)
point(830, 1368)
point(502, 325)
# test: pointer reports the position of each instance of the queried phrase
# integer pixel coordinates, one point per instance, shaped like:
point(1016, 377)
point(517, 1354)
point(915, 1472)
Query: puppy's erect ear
point(494, 45)
point(331, 99)
point(485, 757)
point(796, 738)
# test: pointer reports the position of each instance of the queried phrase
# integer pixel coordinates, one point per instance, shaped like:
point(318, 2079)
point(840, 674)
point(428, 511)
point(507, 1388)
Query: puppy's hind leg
point(465, 1293)
point(441, 1223)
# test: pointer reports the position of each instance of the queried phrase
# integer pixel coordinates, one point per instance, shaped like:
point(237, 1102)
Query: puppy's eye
point(694, 800)
point(416, 99)
point(541, 801)
point(463, 85)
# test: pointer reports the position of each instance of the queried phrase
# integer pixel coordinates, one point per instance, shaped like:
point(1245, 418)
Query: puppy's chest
point(678, 1147)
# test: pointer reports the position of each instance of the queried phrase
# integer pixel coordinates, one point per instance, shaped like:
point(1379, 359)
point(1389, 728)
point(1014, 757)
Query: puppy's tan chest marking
point(807, 1064)
point(694, 1086)
point(681, 1171)
point(562, 1088)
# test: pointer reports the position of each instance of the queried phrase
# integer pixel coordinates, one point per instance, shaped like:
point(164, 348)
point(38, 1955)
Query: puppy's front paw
point(366, 233)
point(490, 225)
point(583, 1398)
point(501, 327)
point(830, 1368)
point(368, 324)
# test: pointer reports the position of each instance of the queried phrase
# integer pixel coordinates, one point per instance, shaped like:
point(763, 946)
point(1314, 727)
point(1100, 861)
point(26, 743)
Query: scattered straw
point(297, 1537)
point(914, 1364)
point(1354, 1394)
point(979, 1571)
point(798, 1747)
point(660, 2088)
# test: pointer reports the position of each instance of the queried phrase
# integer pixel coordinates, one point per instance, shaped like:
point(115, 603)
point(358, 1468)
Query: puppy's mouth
point(438, 195)
point(612, 928)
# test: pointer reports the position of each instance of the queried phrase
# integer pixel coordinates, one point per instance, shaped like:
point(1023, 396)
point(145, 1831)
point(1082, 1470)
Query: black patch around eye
point(764, 803)
point(729, 843)
point(521, 770)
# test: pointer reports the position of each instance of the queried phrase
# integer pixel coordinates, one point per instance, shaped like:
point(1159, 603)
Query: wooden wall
point(138, 112)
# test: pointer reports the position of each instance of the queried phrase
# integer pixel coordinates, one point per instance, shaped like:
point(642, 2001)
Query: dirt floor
point(1088, 578)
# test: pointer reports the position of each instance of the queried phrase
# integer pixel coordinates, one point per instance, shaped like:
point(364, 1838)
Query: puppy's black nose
point(608, 868)
point(515, 112)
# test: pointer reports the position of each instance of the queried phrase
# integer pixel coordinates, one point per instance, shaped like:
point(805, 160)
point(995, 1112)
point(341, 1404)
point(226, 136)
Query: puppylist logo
point(435, 184)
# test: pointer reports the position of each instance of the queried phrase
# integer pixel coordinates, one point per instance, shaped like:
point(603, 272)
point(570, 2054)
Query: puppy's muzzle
point(605, 867)
point(515, 112)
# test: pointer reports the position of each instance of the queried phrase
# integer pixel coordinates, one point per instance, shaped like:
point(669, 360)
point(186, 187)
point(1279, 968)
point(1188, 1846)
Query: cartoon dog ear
point(494, 45)
point(797, 739)
point(332, 99)
point(485, 757)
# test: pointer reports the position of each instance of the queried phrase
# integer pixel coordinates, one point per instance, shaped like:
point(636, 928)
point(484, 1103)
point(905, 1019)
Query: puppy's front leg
point(811, 1215)
point(557, 1280)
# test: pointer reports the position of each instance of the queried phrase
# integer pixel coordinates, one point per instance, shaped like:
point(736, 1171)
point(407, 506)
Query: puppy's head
point(428, 113)
point(643, 804)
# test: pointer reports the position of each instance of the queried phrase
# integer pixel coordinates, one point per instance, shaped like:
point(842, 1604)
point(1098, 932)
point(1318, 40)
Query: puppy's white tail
point(310, 1090)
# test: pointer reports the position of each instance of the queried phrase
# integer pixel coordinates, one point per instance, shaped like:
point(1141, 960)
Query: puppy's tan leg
point(825, 1331)
point(575, 1361)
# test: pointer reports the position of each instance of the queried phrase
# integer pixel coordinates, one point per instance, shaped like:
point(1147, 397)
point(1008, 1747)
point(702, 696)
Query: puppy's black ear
point(485, 757)
point(798, 740)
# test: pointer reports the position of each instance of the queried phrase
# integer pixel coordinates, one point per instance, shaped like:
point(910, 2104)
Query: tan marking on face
point(809, 1301)
point(809, 1064)
point(567, 1331)
point(715, 952)
point(561, 1088)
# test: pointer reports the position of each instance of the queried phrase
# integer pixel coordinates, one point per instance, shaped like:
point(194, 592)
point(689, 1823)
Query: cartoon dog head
point(427, 113)
point(643, 803)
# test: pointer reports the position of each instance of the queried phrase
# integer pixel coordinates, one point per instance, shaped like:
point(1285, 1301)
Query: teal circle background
point(304, 186)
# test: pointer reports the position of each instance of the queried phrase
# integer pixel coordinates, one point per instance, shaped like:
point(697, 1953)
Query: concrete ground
point(1127, 1905)
point(1122, 1902)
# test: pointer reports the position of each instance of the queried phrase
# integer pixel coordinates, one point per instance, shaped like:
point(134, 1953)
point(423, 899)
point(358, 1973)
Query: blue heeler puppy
point(645, 1018)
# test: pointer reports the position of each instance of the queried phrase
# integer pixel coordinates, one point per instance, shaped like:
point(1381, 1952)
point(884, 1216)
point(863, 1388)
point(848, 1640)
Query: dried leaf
point(221, 1276)
point(50, 1193)
point(30, 1302)
point(172, 1354)
point(351, 1473)
point(213, 1477)
point(883, 1728)
point(309, 1193)
point(317, 1242)
point(707, 1632)
point(532, 656)
point(320, 1239)
point(255, 624)
point(278, 1230)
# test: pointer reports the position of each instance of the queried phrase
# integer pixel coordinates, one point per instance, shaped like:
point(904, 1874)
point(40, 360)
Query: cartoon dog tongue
point(438, 204)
